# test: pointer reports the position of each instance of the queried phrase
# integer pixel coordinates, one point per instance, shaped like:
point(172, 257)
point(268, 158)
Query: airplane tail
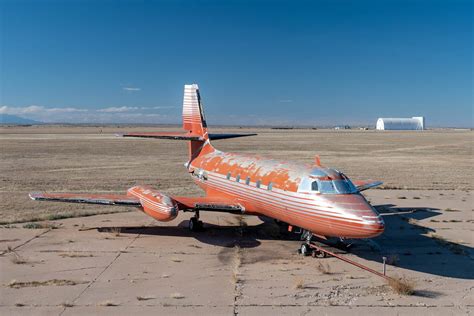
point(194, 125)
point(194, 121)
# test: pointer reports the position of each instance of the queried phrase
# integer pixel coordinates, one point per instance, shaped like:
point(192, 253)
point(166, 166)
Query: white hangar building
point(414, 123)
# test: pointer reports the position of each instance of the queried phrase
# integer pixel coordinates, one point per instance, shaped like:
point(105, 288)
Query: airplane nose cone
point(365, 221)
point(373, 225)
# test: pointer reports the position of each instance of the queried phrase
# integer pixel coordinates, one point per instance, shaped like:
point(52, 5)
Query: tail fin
point(194, 125)
point(193, 115)
point(194, 121)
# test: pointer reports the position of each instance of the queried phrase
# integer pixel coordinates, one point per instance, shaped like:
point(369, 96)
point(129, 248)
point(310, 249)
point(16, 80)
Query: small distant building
point(414, 123)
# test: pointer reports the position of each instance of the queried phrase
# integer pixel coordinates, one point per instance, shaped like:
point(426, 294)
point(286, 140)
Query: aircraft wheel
point(195, 224)
point(318, 254)
point(304, 249)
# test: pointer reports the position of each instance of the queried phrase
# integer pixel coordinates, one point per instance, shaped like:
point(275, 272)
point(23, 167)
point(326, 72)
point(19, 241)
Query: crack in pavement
point(26, 242)
point(257, 305)
point(105, 269)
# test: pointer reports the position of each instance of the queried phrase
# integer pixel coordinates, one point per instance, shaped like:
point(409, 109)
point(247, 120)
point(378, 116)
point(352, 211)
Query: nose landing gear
point(306, 248)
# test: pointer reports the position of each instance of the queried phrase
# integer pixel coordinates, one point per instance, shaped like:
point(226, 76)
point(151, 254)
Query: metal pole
point(312, 245)
point(384, 265)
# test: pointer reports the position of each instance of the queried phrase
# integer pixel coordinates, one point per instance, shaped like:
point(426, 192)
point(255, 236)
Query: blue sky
point(256, 62)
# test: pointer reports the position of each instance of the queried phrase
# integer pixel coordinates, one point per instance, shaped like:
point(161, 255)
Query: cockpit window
point(344, 186)
point(337, 187)
point(327, 187)
point(333, 182)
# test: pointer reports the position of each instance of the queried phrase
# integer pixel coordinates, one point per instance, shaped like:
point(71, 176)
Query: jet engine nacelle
point(156, 204)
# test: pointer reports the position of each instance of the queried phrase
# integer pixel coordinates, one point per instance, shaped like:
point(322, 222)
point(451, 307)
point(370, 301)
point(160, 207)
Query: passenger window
point(270, 186)
point(258, 184)
point(238, 178)
point(314, 186)
point(247, 181)
point(228, 176)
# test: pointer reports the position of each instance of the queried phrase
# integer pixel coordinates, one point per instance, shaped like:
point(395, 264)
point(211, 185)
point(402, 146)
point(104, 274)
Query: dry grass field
point(129, 263)
point(92, 159)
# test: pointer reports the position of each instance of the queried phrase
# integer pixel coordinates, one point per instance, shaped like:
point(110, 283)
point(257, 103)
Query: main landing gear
point(194, 223)
point(306, 249)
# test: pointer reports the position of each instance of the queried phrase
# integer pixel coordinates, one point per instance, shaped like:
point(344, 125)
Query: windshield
point(336, 187)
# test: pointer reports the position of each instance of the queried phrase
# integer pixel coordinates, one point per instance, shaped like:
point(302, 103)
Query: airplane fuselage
point(284, 190)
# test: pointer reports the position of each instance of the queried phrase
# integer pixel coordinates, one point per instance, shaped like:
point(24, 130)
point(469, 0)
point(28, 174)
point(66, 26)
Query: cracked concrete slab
point(126, 263)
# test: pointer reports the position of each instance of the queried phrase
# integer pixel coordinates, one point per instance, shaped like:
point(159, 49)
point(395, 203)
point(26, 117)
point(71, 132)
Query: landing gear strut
point(306, 249)
point(194, 223)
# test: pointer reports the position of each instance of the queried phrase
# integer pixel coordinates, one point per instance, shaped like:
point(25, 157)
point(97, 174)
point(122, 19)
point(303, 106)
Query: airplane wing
point(365, 185)
point(184, 203)
point(105, 199)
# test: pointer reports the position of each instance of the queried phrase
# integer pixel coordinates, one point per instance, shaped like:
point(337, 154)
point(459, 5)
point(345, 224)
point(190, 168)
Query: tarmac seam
point(21, 245)
point(255, 305)
point(105, 269)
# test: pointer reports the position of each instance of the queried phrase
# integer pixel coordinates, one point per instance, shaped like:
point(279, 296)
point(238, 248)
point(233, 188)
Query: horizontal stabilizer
point(107, 199)
point(165, 135)
point(182, 135)
point(226, 136)
point(365, 185)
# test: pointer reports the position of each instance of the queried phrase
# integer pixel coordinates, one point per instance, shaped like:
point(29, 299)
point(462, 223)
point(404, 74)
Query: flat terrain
point(126, 262)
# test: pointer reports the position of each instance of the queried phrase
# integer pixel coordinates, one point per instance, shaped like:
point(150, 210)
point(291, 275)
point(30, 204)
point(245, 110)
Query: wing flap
point(365, 185)
point(215, 204)
point(104, 199)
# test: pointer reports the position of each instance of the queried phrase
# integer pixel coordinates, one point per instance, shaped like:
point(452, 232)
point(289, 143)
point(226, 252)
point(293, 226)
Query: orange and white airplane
point(320, 200)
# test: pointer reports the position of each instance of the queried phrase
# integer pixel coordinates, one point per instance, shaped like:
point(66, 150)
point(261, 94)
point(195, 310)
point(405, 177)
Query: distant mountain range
point(17, 120)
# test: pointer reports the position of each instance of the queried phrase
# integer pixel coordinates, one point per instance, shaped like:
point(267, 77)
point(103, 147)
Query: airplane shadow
point(223, 236)
point(405, 243)
point(409, 245)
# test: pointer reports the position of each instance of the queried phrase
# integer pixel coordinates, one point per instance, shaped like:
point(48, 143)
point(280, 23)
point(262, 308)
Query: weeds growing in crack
point(57, 282)
point(237, 262)
point(402, 286)
point(145, 298)
point(299, 284)
point(17, 259)
point(108, 303)
point(324, 268)
point(177, 296)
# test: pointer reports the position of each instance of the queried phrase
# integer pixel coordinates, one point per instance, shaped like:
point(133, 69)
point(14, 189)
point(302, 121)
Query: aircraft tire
point(304, 250)
point(193, 224)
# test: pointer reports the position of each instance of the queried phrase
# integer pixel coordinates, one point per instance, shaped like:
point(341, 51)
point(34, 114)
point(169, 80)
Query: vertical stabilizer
point(194, 121)
point(193, 114)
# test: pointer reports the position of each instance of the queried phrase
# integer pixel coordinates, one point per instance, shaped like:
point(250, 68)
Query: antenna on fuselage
point(317, 161)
